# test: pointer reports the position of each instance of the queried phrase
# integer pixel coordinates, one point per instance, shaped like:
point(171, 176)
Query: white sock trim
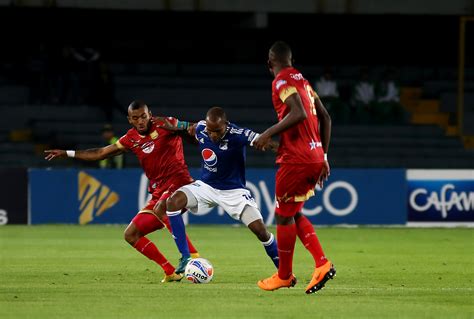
point(176, 213)
point(270, 241)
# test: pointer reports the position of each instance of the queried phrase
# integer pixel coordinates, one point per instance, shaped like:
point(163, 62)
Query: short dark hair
point(135, 105)
point(281, 50)
point(216, 113)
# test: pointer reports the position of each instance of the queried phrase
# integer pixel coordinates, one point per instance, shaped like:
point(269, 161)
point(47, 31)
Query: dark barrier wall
point(108, 196)
point(13, 196)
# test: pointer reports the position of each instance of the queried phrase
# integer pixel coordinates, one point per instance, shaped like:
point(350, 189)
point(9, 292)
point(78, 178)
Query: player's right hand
point(50, 154)
point(325, 172)
point(262, 141)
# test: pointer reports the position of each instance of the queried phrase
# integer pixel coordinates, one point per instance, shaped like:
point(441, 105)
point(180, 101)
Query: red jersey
point(300, 143)
point(160, 152)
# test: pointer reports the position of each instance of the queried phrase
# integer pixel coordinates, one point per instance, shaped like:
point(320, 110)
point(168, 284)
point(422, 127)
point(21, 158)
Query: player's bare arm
point(184, 129)
point(296, 115)
point(325, 132)
point(92, 154)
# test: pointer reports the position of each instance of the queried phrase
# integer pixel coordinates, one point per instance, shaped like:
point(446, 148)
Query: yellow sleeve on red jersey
point(315, 95)
point(123, 143)
point(286, 92)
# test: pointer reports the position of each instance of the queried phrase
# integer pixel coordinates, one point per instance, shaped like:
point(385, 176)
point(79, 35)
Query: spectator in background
point(328, 92)
point(87, 61)
point(363, 98)
point(109, 137)
point(326, 86)
point(388, 108)
point(39, 79)
point(105, 94)
point(68, 86)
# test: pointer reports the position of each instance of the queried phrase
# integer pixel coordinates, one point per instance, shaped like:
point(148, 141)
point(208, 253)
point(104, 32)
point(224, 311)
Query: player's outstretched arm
point(296, 115)
point(184, 129)
point(91, 154)
point(324, 124)
point(325, 132)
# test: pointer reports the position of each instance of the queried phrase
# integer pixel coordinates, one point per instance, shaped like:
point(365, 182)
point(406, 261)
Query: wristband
point(326, 157)
point(183, 125)
point(71, 153)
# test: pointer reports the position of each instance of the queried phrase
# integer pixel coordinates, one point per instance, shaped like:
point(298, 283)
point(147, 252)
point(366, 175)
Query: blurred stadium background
point(76, 65)
point(69, 68)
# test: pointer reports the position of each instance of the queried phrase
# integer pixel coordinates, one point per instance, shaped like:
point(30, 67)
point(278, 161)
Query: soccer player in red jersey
point(160, 153)
point(305, 128)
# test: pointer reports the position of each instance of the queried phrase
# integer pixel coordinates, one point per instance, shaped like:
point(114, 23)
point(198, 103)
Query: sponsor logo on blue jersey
point(210, 158)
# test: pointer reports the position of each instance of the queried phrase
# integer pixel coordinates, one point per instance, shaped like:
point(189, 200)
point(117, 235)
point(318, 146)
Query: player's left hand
point(325, 172)
point(262, 141)
point(166, 124)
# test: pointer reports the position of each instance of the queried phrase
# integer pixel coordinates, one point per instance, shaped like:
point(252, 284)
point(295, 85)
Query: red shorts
point(165, 191)
point(295, 183)
point(146, 221)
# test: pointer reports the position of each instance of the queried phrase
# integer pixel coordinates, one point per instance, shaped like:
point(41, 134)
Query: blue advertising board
point(83, 196)
point(351, 196)
point(440, 195)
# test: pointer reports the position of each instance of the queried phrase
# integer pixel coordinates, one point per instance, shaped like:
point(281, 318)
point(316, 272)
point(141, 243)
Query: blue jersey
point(223, 163)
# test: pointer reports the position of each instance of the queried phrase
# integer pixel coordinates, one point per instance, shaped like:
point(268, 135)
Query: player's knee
point(171, 204)
point(131, 235)
point(298, 215)
point(283, 220)
point(160, 209)
point(176, 202)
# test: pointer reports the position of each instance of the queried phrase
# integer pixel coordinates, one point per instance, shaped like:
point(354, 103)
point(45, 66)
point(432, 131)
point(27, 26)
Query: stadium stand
point(186, 91)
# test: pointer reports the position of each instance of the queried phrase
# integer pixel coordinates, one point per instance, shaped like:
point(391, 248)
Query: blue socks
point(272, 250)
point(179, 232)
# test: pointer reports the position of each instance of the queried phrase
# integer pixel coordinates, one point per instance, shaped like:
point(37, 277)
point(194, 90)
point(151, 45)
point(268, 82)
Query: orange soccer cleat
point(320, 276)
point(274, 282)
point(173, 277)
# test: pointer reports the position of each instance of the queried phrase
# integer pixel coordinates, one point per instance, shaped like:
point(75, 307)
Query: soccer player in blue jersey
point(222, 182)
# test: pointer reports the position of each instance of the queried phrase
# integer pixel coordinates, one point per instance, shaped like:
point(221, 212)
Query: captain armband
point(326, 156)
point(182, 125)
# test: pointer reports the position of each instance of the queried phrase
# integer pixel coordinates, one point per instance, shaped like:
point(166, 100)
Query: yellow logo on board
point(95, 198)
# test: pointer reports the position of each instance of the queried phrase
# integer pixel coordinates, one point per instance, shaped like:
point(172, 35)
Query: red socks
point(286, 238)
point(309, 239)
point(191, 247)
point(147, 248)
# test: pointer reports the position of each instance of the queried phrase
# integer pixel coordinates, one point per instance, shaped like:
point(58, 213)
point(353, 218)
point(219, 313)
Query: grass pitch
point(90, 272)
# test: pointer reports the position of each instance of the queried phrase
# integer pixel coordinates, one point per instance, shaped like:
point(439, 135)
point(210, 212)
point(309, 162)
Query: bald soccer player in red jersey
point(304, 127)
point(160, 153)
